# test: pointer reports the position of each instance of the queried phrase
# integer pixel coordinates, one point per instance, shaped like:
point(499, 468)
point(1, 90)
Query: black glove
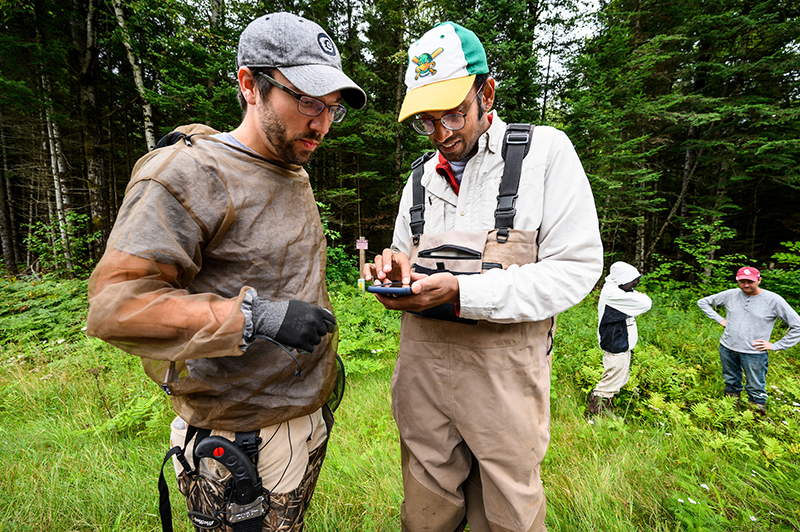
point(302, 326)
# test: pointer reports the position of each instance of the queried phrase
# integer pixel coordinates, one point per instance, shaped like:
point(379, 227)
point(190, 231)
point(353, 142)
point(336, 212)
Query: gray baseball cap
point(302, 51)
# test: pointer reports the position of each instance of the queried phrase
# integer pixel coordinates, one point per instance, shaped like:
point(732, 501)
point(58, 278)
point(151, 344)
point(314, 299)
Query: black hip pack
point(241, 504)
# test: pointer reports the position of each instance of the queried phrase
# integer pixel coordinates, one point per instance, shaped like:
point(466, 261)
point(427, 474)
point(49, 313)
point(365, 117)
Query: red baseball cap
point(749, 273)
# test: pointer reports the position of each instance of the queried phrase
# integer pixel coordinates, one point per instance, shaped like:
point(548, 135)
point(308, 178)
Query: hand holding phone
point(390, 289)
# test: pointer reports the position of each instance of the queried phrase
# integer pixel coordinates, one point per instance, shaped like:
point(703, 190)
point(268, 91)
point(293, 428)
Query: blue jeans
point(755, 373)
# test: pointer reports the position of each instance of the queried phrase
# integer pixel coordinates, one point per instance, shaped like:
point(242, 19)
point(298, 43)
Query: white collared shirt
point(554, 197)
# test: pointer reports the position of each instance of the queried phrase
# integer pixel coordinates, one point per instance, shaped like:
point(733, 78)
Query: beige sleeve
point(134, 305)
point(137, 296)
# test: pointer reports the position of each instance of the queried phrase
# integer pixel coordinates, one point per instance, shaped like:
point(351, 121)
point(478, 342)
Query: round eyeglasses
point(308, 105)
point(451, 121)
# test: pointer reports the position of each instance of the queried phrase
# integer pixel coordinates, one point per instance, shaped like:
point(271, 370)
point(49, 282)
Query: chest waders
point(471, 397)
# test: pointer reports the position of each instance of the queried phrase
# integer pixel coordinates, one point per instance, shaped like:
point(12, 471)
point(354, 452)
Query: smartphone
point(390, 289)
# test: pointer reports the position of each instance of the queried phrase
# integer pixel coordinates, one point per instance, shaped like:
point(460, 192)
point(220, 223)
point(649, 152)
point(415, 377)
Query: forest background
point(684, 113)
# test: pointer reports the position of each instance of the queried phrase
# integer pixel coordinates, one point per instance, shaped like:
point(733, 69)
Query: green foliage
point(701, 269)
point(675, 110)
point(681, 112)
point(670, 276)
point(41, 311)
point(785, 279)
point(675, 384)
point(674, 451)
point(701, 241)
point(140, 416)
point(45, 242)
point(369, 337)
point(341, 267)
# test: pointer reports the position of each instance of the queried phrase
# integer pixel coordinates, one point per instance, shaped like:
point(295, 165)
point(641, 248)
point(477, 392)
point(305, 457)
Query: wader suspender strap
point(516, 144)
point(164, 507)
point(417, 210)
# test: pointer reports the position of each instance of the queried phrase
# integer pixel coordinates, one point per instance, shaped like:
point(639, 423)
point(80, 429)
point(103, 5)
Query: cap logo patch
point(747, 272)
point(326, 44)
point(425, 63)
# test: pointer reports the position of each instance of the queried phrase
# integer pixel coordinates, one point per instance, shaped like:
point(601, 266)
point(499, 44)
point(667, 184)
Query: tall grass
point(84, 431)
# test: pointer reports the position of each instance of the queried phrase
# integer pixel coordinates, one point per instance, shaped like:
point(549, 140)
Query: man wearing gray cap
point(214, 274)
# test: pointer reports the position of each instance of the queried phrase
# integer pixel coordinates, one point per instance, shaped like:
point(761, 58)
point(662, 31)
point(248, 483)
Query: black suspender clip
point(504, 216)
point(516, 143)
point(518, 137)
point(417, 222)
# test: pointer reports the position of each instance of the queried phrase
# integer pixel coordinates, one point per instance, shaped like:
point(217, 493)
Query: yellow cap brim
point(439, 96)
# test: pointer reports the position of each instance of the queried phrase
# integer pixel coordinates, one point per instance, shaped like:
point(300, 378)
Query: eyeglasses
point(307, 105)
point(451, 121)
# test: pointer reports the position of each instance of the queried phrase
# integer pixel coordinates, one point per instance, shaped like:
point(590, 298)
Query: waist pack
point(240, 503)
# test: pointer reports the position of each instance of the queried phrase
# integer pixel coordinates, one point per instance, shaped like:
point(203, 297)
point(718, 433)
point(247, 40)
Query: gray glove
point(293, 323)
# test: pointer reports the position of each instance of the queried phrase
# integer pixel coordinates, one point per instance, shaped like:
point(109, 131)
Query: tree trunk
point(58, 168)
point(717, 216)
point(216, 17)
point(398, 137)
point(640, 244)
point(546, 85)
point(32, 212)
point(84, 42)
point(6, 235)
point(690, 160)
point(52, 218)
point(216, 23)
point(147, 110)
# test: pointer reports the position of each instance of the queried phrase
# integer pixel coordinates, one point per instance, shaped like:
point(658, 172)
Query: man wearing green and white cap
point(511, 205)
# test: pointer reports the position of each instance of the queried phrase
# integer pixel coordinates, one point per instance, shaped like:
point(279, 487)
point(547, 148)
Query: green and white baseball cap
point(442, 65)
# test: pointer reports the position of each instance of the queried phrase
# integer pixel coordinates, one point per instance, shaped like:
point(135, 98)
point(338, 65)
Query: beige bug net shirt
point(203, 222)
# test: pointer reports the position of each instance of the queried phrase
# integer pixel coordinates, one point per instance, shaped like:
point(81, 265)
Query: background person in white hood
point(617, 309)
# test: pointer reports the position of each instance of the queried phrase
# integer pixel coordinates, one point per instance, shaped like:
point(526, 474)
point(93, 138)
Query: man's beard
point(286, 149)
point(465, 152)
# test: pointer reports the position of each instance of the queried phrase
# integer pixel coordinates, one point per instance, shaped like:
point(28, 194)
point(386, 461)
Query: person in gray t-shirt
point(750, 313)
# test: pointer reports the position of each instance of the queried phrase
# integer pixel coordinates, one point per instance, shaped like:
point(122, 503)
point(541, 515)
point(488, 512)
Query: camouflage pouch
point(205, 500)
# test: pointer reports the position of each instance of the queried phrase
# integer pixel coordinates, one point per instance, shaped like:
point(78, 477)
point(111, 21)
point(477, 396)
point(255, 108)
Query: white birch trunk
point(640, 244)
point(30, 225)
point(147, 110)
point(57, 167)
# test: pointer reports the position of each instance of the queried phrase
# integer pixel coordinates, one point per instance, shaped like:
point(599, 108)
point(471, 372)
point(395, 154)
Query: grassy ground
point(84, 431)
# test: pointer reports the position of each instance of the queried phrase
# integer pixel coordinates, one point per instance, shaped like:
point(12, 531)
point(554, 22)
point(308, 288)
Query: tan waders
point(472, 399)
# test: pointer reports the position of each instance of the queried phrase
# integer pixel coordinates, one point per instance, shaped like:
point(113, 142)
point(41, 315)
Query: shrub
point(785, 279)
point(45, 242)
